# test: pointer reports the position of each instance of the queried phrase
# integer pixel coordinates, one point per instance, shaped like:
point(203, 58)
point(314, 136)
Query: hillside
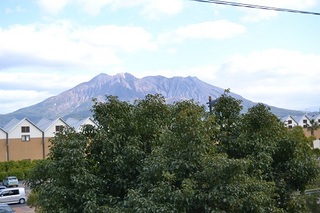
point(77, 102)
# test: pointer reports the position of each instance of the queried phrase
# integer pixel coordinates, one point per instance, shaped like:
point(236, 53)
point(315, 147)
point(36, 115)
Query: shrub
point(3, 175)
point(11, 165)
point(16, 172)
point(2, 166)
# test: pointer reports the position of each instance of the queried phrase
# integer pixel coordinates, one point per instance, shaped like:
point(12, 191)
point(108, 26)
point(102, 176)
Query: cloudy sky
point(47, 47)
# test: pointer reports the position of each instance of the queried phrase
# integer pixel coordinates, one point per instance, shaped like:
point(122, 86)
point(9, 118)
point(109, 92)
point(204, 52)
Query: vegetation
point(313, 126)
point(20, 169)
point(153, 157)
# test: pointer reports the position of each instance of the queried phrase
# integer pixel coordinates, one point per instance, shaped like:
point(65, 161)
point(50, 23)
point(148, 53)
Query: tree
point(150, 156)
point(226, 112)
point(313, 126)
point(64, 182)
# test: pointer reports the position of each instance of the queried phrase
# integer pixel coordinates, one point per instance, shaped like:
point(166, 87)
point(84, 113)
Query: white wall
point(16, 131)
point(50, 132)
point(316, 144)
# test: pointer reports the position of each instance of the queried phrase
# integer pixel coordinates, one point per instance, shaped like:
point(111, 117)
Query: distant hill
point(77, 102)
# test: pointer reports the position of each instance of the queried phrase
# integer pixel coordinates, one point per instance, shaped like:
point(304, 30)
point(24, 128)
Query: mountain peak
point(77, 102)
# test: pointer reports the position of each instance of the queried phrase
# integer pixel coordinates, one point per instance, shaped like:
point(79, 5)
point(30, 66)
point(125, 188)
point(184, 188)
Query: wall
point(21, 150)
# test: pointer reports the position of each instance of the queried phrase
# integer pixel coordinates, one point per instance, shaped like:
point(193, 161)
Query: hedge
point(20, 169)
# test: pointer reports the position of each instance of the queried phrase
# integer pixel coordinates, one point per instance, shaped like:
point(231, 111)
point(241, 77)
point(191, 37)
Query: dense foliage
point(20, 168)
point(154, 157)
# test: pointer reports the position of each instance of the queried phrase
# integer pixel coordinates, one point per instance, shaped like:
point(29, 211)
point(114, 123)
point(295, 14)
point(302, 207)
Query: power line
point(236, 4)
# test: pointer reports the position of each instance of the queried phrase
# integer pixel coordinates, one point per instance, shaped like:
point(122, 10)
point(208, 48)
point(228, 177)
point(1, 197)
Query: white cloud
point(23, 89)
point(63, 44)
point(44, 81)
point(155, 8)
point(277, 77)
point(125, 38)
point(11, 100)
point(53, 6)
point(150, 8)
point(206, 30)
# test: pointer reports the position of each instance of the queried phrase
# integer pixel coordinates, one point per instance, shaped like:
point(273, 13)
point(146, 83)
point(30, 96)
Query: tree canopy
point(150, 156)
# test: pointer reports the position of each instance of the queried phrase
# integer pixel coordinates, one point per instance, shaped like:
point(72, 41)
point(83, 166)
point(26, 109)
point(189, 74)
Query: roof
point(15, 122)
point(299, 118)
point(45, 123)
point(77, 124)
point(1, 129)
point(288, 117)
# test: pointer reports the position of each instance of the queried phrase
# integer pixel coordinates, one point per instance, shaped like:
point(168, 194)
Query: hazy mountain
point(77, 102)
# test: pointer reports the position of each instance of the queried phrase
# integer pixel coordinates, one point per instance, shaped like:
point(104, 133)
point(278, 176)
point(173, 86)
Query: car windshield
point(12, 178)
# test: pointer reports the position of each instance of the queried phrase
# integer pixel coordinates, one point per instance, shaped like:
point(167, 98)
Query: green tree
point(226, 112)
point(150, 156)
point(313, 126)
point(64, 182)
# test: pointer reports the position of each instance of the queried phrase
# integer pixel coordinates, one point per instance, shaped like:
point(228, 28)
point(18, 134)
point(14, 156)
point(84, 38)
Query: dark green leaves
point(153, 157)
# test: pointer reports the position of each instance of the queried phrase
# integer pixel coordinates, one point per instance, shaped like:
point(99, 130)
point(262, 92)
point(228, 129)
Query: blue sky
point(47, 47)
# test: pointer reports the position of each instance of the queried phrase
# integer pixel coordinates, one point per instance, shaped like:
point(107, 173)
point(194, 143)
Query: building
point(49, 128)
point(306, 122)
point(3, 145)
point(22, 139)
point(289, 121)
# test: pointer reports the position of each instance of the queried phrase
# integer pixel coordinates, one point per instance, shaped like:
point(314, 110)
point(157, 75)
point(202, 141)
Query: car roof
point(3, 204)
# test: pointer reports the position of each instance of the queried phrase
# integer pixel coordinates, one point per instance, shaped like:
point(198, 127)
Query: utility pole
point(210, 104)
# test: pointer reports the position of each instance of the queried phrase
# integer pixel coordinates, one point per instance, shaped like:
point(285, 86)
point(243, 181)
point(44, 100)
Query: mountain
point(77, 102)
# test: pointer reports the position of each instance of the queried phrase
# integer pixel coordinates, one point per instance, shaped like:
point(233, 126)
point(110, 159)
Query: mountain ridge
point(77, 101)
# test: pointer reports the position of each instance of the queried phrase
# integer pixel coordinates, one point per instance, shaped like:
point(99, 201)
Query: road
point(22, 208)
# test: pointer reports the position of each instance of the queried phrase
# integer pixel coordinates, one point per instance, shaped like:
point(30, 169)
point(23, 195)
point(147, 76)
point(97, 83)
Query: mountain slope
point(77, 102)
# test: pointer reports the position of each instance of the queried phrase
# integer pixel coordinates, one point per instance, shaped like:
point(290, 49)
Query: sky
point(50, 46)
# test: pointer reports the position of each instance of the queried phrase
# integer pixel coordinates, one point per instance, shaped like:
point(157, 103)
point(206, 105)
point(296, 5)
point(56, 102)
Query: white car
point(13, 195)
point(10, 181)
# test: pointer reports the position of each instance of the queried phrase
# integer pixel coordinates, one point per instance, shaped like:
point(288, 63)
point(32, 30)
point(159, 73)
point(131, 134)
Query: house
point(303, 120)
point(289, 121)
point(3, 145)
point(24, 140)
point(49, 129)
point(316, 118)
point(78, 124)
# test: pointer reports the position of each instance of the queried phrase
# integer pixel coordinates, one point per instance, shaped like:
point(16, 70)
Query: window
point(59, 128)
point(14, 192)
point(290, 127)
point(304, 121)
point(304, 126)
point(289, 121)
point(25, 138)
point(5, 193)
point(25, 129)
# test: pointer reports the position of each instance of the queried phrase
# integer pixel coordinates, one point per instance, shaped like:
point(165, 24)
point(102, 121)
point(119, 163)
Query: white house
point(303, 120)
point(25, 140)
point(78, 124)
point(49, 129)
point(289, 121)
point(3, 145)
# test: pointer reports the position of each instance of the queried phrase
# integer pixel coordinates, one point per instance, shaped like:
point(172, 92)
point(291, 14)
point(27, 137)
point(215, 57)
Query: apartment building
point(22, 139)
point(305, 121)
